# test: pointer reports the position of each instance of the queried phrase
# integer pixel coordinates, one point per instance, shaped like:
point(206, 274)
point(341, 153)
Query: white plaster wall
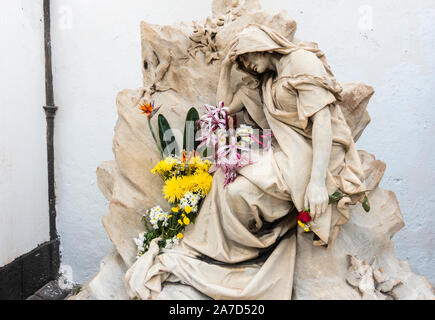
point(97, 53)
point(23, 167)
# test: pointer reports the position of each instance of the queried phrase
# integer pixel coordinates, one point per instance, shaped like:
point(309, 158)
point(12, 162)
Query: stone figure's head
point(257, 49)
point(257, 62)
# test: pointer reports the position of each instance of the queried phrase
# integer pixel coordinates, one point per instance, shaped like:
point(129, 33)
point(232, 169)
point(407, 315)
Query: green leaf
point(165, 130)
point(337, 196)
point(76, 290)
point(203, 151)
point(154, 137)
point(190, 129)
point(366, 204)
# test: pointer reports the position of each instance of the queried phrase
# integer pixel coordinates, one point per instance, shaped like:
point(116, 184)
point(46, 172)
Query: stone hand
point(232, 53)
point(316, 198)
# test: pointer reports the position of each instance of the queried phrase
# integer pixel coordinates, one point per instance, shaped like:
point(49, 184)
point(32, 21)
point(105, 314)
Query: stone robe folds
point(243, 243)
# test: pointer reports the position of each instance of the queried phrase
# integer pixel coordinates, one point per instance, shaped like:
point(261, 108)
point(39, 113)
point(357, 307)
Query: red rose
point(304, 216)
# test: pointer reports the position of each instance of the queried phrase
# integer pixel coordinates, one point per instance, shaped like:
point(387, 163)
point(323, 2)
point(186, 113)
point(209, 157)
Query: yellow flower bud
point(304, 226)
point(188, 209)
point(180, 222)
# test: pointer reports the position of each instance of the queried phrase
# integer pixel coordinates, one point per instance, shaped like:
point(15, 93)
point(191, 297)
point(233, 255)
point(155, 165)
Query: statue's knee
point(239, 187)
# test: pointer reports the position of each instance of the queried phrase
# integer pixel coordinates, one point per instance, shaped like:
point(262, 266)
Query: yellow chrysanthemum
point(205, 166)
point(165, 166)
point(194, 160)
point(203, 181)
point(175, 209)
point(198, 164)
point(187, 183)
point(173, 189)
point(180, 235)
point(188, 209)
point(186, 220)
point(171, 160)
point(207, 163)
point(159, 168)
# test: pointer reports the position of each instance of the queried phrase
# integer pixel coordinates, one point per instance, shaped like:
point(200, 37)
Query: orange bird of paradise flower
point(184, 157)
point(147, 108)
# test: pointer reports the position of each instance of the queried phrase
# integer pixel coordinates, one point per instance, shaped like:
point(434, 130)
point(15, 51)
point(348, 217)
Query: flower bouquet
point(186, 178)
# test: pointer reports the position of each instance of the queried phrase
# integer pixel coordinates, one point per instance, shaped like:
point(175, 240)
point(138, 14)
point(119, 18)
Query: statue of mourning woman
point(243, 243)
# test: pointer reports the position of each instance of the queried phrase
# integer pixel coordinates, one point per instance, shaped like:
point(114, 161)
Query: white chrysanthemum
point(156, 215)
point(244, 132)
point(244, 129)
point(139, 241)
point(191, 200)
point(170, 243)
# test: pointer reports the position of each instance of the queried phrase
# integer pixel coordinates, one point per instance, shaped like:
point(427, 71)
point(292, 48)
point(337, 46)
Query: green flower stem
point(154, 137)
point(337, 196)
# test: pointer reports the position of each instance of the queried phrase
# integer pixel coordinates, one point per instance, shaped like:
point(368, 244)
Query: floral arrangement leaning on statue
point(243, 243)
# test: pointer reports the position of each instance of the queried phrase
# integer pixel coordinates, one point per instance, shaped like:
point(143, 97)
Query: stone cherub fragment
point(372, 282)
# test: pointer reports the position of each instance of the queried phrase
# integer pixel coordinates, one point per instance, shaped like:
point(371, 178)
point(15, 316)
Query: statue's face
point(256, 61)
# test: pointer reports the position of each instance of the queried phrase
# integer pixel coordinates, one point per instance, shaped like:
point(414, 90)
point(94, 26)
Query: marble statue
point(245, 243)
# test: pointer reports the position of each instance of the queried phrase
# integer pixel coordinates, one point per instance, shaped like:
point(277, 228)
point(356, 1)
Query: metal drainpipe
point(50, 113)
